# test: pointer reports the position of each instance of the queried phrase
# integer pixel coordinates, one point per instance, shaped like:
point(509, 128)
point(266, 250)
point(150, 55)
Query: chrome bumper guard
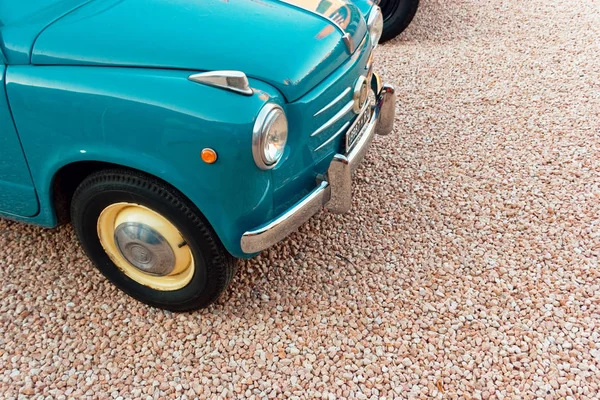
point(334, 192)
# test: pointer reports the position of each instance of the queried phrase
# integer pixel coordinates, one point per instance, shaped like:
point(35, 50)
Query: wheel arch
point(68, 177)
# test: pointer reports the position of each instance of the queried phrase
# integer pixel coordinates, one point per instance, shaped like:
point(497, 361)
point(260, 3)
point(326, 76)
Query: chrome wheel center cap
point(140, 254)
point(145, 248)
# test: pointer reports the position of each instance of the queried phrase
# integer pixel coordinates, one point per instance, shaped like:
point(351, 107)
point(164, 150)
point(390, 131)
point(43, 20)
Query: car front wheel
point(150, 241)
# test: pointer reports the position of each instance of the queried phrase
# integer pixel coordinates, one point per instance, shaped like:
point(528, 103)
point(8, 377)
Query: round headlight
point(269, 136)
point(375, 24)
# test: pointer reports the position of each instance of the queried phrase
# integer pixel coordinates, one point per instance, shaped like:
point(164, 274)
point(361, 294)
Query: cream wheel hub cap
point(146, 246)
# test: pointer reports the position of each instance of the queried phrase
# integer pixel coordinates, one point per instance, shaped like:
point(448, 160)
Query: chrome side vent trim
point(235, 81)
point(333, 102)
point(335, 118)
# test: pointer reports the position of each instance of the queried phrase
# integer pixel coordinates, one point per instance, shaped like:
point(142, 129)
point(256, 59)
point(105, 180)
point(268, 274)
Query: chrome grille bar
point(335, 118)
point(334, 101)
point(342, 129)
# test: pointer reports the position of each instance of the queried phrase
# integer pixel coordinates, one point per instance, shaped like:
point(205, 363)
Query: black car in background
point(397, 15)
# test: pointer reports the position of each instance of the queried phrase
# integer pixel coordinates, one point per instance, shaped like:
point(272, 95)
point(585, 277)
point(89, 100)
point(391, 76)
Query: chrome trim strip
point(349, 42)
point(333, 102)
point(334, 193)
point(362, 42)
point(235, 81)
point(335, 118)
point(342, 129)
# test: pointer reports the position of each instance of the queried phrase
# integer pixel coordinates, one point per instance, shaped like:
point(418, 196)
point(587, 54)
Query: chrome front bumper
point(334, 192)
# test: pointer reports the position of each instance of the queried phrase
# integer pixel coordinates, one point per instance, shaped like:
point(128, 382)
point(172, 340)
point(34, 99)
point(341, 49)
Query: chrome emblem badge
point(361, 94)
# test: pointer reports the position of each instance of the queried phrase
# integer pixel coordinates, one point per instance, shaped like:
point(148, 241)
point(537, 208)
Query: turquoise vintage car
point(177, 134)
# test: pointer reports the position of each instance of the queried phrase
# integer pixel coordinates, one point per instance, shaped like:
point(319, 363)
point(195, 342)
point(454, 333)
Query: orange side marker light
point(209, 156)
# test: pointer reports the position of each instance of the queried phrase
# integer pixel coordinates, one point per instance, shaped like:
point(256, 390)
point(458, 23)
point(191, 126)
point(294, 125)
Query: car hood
point(290, 44)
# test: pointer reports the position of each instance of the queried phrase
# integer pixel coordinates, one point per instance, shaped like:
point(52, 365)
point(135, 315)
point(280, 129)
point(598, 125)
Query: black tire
point(214, 266)
point(397, 15)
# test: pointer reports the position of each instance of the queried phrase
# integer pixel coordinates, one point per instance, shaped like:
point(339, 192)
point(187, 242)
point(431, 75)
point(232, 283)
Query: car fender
point(155, 121)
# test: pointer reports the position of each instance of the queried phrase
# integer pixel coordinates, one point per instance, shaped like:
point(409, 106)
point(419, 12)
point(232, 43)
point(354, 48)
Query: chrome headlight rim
point(375, 25)
point(265, 120)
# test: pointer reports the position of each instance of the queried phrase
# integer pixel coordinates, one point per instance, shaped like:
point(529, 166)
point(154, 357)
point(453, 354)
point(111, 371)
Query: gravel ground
point(468, 268)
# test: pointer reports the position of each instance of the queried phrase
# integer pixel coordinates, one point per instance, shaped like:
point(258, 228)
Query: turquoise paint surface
point(17, 194)
point(268, 40)
point(22, 20)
